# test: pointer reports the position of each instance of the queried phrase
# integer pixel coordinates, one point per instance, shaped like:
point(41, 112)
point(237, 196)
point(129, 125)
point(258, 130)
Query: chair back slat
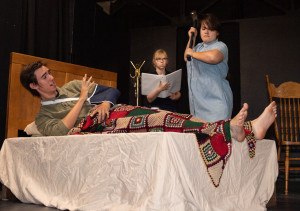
point(288, 119)
point(281, 117)
point(296, 118)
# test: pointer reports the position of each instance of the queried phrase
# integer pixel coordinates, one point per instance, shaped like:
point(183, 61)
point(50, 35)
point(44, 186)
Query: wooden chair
point(287, 129)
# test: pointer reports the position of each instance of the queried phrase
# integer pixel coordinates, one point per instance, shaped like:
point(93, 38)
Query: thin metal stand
point(137, 75)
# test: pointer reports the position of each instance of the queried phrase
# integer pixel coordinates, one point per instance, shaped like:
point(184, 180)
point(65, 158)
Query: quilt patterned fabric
point(214, 139)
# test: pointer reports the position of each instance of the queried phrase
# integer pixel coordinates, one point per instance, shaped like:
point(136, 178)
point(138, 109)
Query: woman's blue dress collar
point(210, 43)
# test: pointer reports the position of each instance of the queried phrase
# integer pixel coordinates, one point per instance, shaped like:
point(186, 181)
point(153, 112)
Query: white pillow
point(31, 129)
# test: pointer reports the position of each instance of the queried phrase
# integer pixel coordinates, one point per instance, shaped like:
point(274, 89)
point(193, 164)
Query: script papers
point(150, 82)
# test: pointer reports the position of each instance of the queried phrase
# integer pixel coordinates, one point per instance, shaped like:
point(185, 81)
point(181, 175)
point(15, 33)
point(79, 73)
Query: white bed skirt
point(135, 172)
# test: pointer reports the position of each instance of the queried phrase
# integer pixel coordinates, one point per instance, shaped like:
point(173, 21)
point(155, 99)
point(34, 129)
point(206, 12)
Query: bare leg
point(264, 121)
point(237, 124)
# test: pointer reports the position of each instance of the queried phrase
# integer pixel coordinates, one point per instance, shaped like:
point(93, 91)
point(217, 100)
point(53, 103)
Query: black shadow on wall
point(229, 34)
point(101, 41)
point(268, 46)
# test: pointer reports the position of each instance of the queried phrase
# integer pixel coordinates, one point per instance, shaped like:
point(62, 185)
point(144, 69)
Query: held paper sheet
point(150, 82)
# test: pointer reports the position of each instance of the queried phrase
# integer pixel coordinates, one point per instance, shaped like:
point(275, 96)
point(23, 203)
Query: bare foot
point(237, 124)
point(264, 121)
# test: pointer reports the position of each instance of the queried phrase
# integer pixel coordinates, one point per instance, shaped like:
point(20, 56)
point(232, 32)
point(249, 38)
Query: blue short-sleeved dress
point(210, 95)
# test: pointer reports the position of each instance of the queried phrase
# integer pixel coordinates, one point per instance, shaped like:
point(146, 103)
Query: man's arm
point(103, 94)
point(70, 119)
point(61, 121)
point(103, 97)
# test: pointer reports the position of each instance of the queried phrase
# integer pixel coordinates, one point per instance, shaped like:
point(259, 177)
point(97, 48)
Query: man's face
point(45, 86)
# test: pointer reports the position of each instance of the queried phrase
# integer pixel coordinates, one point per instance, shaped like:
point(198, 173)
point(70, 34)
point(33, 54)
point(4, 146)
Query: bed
point(133, 171)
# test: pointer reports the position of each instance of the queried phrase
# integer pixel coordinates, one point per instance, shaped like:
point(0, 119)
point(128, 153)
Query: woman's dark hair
point(27, 76)
point(211, 21)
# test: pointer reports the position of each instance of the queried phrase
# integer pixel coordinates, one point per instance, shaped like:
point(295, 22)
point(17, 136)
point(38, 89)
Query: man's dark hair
point(27, 76)
point(211, 20)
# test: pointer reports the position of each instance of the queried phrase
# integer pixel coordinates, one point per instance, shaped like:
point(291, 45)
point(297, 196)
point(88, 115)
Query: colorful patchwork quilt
point(214, 139)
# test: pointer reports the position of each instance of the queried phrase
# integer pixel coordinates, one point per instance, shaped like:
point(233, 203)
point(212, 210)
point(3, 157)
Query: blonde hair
point(157, 53)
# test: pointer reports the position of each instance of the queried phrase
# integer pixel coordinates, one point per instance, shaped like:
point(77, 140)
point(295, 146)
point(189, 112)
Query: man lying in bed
point(63, 108)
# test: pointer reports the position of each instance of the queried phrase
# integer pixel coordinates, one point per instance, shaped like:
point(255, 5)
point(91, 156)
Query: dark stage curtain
point(47, 28)
point(182, 39)
point(41, 28)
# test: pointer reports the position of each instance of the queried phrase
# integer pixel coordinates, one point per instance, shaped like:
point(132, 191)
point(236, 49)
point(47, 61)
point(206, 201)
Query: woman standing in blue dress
point(210, 95)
